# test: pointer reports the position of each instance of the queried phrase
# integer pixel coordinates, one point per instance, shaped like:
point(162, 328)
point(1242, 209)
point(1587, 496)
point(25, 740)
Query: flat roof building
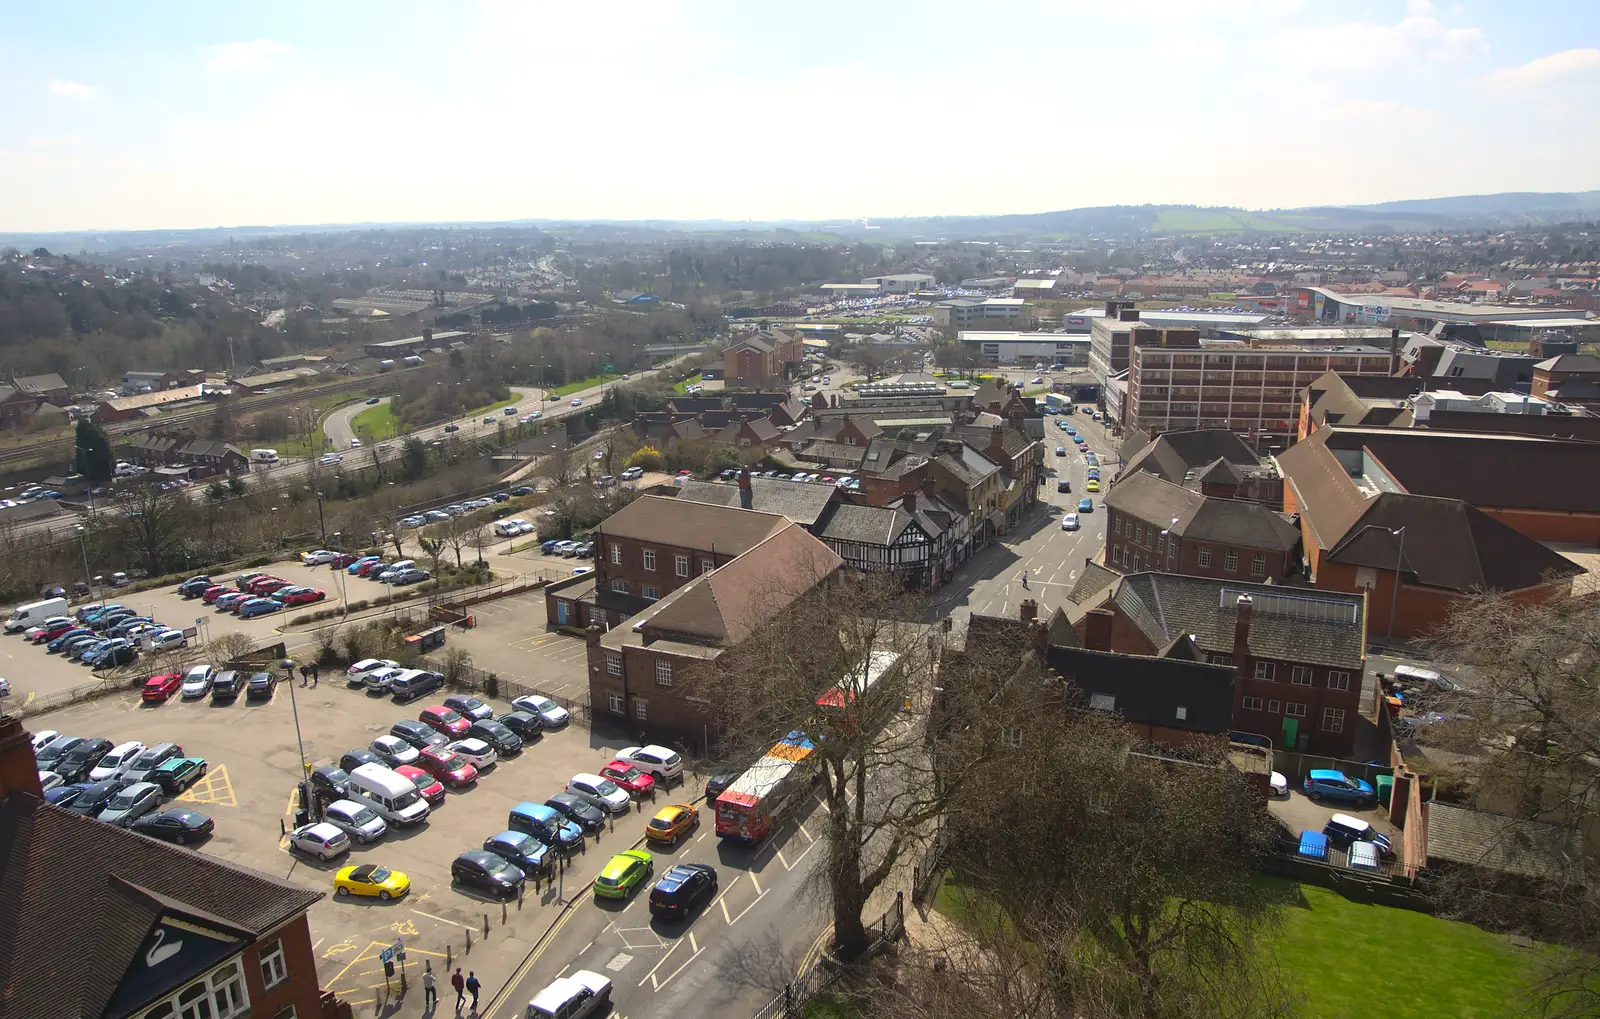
point(902, 283)
point(1000, 346)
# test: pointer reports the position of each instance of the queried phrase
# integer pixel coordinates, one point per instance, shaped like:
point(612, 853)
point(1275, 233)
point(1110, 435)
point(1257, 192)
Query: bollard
point(283, 829)
point(447, 949)
point(611, 825)
point(486, 926)
point(469, 941)
point(503, 907)
point(638, 806)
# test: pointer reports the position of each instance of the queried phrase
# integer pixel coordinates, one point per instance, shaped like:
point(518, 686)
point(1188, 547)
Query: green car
point(178, 774)
point(623, 873)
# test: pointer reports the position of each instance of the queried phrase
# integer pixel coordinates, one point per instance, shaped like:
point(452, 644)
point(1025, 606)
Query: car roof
point(1326, 775)
point(1346, 821)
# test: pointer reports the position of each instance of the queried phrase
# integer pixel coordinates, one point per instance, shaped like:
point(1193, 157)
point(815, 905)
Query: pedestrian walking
point(460, 984)
point(430, 994)
point(1024, 578)
point(473, 985)
point(305, 673)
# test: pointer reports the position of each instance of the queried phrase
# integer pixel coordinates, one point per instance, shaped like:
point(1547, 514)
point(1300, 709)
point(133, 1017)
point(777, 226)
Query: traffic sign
point(387, 955)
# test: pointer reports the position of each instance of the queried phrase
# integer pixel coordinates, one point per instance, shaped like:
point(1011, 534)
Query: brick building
point(1568, 378)
point(763, 360)
point(1156, 525)
point(1212, 461)
point(1298, 656)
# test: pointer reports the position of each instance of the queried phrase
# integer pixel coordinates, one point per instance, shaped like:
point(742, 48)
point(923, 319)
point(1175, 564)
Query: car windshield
point(454, 763)
point(378, 875)
point(148, 759)
point(422, 781)
point(607, 787)
point(366, 815)
point(123, 800)
point(627, 774)
point(449, 717)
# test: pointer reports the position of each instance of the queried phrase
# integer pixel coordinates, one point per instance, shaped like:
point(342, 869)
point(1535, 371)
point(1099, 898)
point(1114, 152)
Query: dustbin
point(1385, 788)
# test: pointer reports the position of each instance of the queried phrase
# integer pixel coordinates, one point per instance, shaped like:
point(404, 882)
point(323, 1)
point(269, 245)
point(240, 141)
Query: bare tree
point(232, 646)
point(153, 523)
point(556, 466)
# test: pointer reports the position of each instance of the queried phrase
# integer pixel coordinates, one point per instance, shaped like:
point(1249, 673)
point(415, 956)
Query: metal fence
point(928, 872)
point(822, 973)
point(76, 695)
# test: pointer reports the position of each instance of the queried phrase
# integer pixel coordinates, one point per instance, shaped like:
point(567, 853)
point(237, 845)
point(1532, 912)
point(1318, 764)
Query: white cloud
point(255, 55)
point(59, 142)
point(1357, 46)
point(72, 89)
point(1566, 64)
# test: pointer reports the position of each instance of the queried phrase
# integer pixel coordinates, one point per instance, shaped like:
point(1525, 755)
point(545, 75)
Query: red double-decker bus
point(749, 808)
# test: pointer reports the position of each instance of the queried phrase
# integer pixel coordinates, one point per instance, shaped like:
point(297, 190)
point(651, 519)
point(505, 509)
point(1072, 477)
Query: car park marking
point(683, 966)
point(213, 789)
point(649, 939)
point(650, 977)
point(339, 949)
point(745, 910)
point(441, 919)
point(404, 928)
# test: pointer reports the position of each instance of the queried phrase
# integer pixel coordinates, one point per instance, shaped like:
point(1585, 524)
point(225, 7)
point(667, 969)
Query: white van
point(511, 528)
point(391, 794)
point(264, 456)
point(34, 613)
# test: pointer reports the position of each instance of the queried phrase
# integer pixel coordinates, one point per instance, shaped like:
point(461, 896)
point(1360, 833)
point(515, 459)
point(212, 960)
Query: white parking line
point(686, 962)
point(746, 909)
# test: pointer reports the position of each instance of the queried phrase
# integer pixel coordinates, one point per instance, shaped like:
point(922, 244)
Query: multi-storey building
point(1155, 525)
point(991, 312)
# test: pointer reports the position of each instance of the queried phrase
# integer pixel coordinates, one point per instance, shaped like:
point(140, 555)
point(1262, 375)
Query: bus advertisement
point(749, 808)
point(852, 696)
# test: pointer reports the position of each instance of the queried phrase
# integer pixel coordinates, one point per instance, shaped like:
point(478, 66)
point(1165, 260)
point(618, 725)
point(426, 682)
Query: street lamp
point(83, 546)
point(287, 665)
point(1394, 594)
point(322, 525)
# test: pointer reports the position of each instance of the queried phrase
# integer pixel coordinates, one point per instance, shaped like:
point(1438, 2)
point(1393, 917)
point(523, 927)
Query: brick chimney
point(19, 769)
point(1028, 610)
point(908, 502)
point(591, 634)
point(1097, 626)
point(746, 496)
point(1039, 636)
point(997, 444)
point(930, 485)
point(1394, 352)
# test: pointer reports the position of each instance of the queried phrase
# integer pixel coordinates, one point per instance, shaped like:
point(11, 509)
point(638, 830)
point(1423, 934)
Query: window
point(1161, 543)
point(1294, 710)
point(1203, 556)
point(663, 672)
point(1139, 535)
point(1116, 556)
point(1216, 659)
point(650, 592)
point(1258, 565)
point(1011, 736)
point(1252, 703)
point(614, 703)
point(1300, 675)
point(706, 566)
point(640, 711)
point(613, 664)
point(616, 554)
point(1116, 525)
point(1103, 702)
point(227, 990)
point(1183, 713)
point(274, 967)
point(1230, 560)
point(1136, 564)
point(1338, 681)
point(650, 559)
point(1267, 671)
point(1333, 720)
point(286, 1012)
point(681, 561)
point(1273, 707)
point(620, 586)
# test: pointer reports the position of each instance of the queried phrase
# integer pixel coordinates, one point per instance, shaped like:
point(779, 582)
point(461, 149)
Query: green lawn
point(375, 423)
point(1334, 949)
point(582, 384)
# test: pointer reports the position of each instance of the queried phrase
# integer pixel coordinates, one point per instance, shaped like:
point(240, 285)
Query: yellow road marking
point(534, 956)
point(361, 956)
point(441, 919)
point(214, 789)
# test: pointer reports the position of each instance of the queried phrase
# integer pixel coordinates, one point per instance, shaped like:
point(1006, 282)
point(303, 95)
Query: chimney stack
point(746, 496)
point(1394, 352)
point(908, 502)
point(591, 634)
point(1028, 610)
point(1097, 626)
point(1245, 608)
point(19, 769)
point(1038, 635)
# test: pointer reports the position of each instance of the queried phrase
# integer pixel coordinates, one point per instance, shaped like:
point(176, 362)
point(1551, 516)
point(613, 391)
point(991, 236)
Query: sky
point(174, 115)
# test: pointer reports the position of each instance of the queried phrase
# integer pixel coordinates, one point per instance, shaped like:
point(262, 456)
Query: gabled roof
point(1201, 518)
point(968, 465)
point(688, 524)
point(1174, 454)
point(1447, 544)
point(865, 525)
point(1564, 363)
point(803, 503)
point(751, 342)
point(38, 383)
point(762, 428)
point(78, 898)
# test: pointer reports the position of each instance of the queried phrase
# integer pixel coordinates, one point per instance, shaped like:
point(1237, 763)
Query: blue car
point(68, 637)
point(1323, 784)
point(355, 567)
point(259, 607)
point(528, 854)
point(544, 824)
point(1085, 505)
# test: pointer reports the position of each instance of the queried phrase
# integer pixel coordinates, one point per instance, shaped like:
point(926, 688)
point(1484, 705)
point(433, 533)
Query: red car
point(267, 585)
point(54, 632)
point(624, 774)
point(377, 565)
point(447, 766)
point(445, 720)
point(343, 559)
point(431, 788)
point(214, 592)
point(158, 688)
point(303, 596)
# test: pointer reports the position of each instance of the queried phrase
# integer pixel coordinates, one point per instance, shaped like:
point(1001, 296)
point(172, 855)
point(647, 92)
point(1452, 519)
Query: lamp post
point(83, 546)
point(322, 525)
point(287, 665)
point(1394, 594)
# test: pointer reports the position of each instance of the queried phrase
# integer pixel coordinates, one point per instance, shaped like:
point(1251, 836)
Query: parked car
point(194, 587)
point(629, 778)
point(411, 575)
point(624, 873)
point(261, 686)
point(354, 759)
point(116, 761)
point(501, 738)
point(661, 762)
point(55, 750)
point(1344, 831)
point(320, 839)
point(1323, 784)
point(131, 803)
point(547, 825)
point(226, 687)
point(581, 994)
point(430, 788)
point(488, 872)
point(447, 766)
point(444, 720)
point(521, 850)
point(319, 557)
point(330, 780)
point(93, 797)
point(681, 889)
point(381, 679)
point(259, 607)
point(473, 708)
point(158, 688)
point(417, 734)
point(360, 822)
point(76, 764)
point(178, 774)
point(602, 792)
point(525, 724)
point(175, 824)
point(393, 751)
point(578, 810)
point(478, 752)
point(371, 879)
point(552, 714)
point(356, 674)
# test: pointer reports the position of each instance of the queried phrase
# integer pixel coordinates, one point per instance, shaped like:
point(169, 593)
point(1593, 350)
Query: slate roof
point(1447, 544)
point(762, 402)
point(763, 430)
point(1095, 579)
point(1012, 441)
point(78, 899)
point(801, 502)
point(37, 384)
point(969, 466)
point(865, 525)
point(695, 404)
point(1285, 623)
point(1564, 363)
point(753, 342)
point(1505, 844)
point(1174, 454)
point(1150, 691)
point(834, 453)
point(1201, 518)
point(688, 524)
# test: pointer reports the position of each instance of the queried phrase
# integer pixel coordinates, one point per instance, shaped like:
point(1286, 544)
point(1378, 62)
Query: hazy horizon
point(191, 116)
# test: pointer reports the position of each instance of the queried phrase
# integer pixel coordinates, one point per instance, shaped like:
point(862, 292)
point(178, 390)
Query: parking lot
point(510, 640)
point(254, 760)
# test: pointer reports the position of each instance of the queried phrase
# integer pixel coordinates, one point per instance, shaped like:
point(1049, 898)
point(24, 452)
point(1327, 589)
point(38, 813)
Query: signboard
point(191, 631)
point(393, 952)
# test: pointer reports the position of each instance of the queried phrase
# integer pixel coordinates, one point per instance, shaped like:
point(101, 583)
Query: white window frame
point(707, 565)
point(619, 585)
point(1252, 703)
point(1333, 720)
point(681, 564)
point(613, 664)
point(1230, 561)
point(649, 557)
point(663, 672)
point(1301, 675)
point(615, 704)
point(1266, 671)
point(1258, 565)
point(616, 554)
point(650, 592)
point(274, 966)
point(1338, 681)
point(1138, 536)
point(641, 710)
point(1203, 556)
point(1294, 709)
point(1274, 708)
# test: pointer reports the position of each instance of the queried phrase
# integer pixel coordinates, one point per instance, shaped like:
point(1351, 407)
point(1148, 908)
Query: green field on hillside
point(1209, 221)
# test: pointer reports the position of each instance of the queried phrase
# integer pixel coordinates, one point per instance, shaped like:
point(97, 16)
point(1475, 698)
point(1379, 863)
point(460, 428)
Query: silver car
point(360, 823)
point(131, 804)
point(197, 681)
point(552, 714)
point(602, 792)
point(394, 751)
point(320, 839)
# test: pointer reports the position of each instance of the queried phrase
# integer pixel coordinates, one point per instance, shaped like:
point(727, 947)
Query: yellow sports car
point(1091, 485)
point(370, 879)
point(672, 823)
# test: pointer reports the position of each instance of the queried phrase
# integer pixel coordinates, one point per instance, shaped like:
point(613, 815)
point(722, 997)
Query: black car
point(418, 734)
point(74, 765)
point(194, 587)
point(580, 812)
point(52, 752)
point(681, 888)
point(356, 758)
point(92, 798)
point(1063, 485)
point(717, 783)
point(525, 724)
point(225, 688)
point(175, 824)
point(488, 872)
point(496, 735)
point(63, 795)
point(522, 490)
point(330, 780)
point(261, 687)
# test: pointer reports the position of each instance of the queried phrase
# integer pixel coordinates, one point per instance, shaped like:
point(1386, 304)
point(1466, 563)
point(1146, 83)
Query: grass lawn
point(375, 423)
point(1334, 950)
point(582, 384)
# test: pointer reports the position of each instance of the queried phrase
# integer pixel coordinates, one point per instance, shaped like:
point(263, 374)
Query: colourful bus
point(753, 803)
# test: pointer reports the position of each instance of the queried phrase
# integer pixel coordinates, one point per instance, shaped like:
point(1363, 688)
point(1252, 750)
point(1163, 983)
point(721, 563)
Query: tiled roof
point(1225, 521)
point(78, 898)
point(1447, 544)
point(1328, 499)
point(693, 525)
point(969, 466)
point(834, 452)
point(1559, 363)
point(865, 525)
point(1095, 579)
point(801, 502)
point(1505, 844)
point(1174, 454)
point(1293, 625)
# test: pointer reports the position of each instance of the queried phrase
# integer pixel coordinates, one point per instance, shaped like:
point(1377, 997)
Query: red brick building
point(1155, 525)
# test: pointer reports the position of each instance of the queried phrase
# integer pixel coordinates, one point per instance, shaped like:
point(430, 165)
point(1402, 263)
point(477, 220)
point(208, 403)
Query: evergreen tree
point(93, 459)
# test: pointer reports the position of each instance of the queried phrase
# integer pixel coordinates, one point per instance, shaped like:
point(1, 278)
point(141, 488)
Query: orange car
point(672, 823)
